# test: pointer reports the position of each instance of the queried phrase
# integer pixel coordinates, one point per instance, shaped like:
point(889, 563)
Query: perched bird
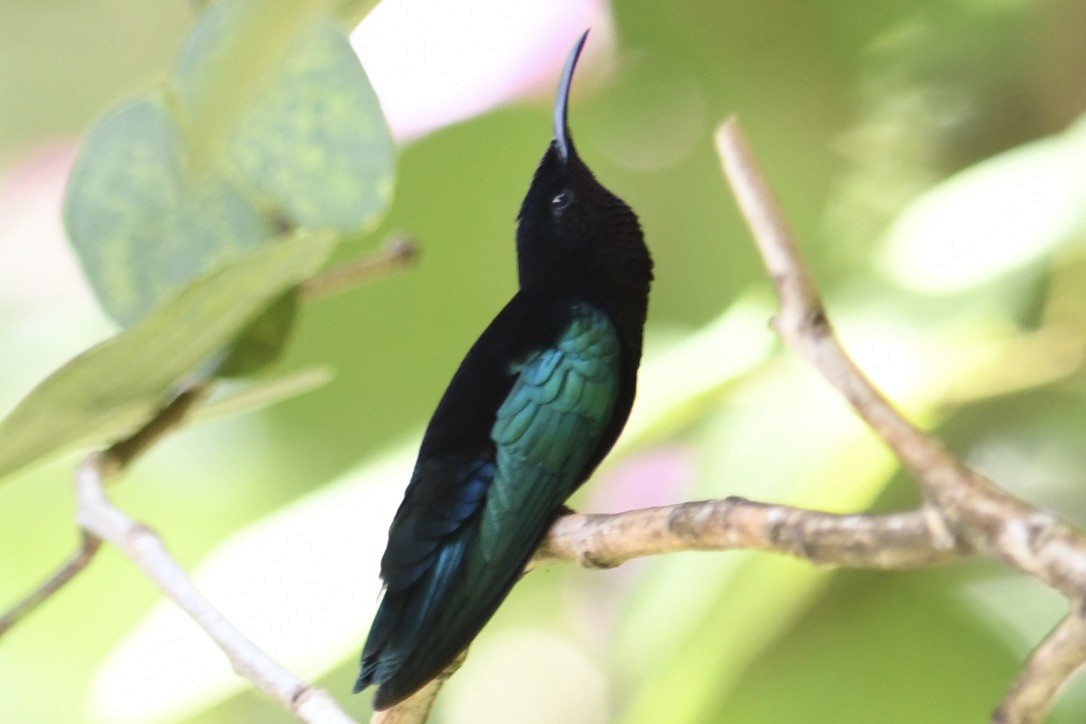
point(534, 407)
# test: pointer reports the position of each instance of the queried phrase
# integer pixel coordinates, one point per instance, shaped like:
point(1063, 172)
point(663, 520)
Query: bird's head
point(571, 231)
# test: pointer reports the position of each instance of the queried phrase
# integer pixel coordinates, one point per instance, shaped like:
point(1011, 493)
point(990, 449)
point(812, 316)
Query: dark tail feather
point(450, 632)
point(403, 619)
point(373, 664)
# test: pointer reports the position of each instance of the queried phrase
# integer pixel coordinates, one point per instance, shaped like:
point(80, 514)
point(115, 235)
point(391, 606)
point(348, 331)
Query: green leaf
point(250, 396)
point(263, 340)
point(353, 12)
point(310, 142)
point(273, 123)
point(140, 221)
point(114, 387)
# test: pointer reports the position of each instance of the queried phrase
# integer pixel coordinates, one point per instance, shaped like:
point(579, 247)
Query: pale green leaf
point(263, 392)
point(141, 223)
point(273, 123)
point(114, 387)
point(310, 142)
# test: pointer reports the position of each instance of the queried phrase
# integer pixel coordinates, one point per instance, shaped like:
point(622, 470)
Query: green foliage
point(263, 339)
point(111, 389)
point(176, 204)
point(142, 222)
point(269, 121)
point(303, 136)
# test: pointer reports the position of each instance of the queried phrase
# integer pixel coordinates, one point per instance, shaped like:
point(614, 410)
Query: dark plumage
point(536, 404)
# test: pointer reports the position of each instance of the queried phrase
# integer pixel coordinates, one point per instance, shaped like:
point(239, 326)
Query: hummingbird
point(535, 405)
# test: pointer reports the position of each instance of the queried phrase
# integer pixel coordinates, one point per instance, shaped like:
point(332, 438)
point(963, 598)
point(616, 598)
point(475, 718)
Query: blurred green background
point(923, 154)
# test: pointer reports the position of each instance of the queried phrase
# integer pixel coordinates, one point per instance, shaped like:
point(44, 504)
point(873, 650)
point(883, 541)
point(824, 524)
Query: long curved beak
point(561, 102)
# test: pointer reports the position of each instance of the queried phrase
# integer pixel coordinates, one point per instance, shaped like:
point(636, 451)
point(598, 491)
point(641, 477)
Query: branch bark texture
point(1049, 667)
point(887, 542)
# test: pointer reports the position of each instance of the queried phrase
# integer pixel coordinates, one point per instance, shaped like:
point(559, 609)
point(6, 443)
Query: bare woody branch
point(120, 454)
point(898, 541)
point(1049, 667)
point(145, 549)
point(100, 521)
point(88, 547)
point(889, 542)
point(973, 510)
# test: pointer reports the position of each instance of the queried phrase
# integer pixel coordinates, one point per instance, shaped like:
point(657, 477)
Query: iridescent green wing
point(547, 431)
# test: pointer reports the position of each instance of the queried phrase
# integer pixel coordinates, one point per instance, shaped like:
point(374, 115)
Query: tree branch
point(888, 542)
point(986, 518)
point(1049, 667)
point(144, 548)
point(88, 547)
point(100, 521)
point(972, 509)
point(399, 252)
point(120, 454)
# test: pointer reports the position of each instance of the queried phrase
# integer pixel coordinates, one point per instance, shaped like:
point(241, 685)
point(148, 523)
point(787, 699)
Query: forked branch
point(965, 514)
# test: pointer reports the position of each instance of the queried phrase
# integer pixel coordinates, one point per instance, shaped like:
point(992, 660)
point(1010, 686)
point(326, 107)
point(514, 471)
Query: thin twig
point(79, 560)
point(802, 322)
point(100, 521)
point(399, 253)
point(144, 548)
point(119, 455)
point(1049, 667)
point(122, 453)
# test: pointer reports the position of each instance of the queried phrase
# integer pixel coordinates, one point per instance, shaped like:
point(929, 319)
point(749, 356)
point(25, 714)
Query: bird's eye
point(561, 200)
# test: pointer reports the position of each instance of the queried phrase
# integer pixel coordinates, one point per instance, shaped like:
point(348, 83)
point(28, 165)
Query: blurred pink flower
point(658, 476)
point(39, 266)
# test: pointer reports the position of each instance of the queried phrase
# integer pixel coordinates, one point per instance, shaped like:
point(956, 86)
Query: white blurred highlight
point(529, 677)
point(1001, 215)
point(434, 63)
